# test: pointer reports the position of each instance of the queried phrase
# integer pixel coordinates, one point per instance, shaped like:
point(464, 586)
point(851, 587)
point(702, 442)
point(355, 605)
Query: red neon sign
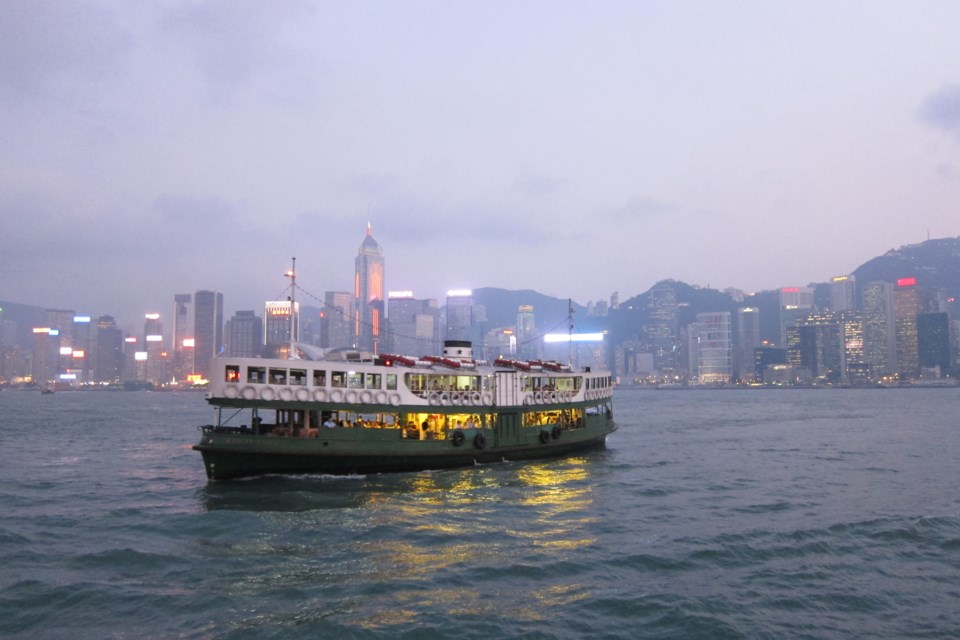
point(906, 282)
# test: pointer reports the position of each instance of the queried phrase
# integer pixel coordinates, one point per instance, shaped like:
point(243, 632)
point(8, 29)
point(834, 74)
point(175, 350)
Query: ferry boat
point(393, 413)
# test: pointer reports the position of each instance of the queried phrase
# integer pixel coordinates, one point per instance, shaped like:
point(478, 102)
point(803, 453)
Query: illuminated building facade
point(879, 345)
point(155, 353)
point(662, 325)
point(276, 327)
point(368, 294)
point(906, 306)
point(714, 347)
point(464, 317)
point(795, 303)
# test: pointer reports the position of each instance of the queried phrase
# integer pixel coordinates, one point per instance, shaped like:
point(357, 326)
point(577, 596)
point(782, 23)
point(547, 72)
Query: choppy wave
point(709, 515)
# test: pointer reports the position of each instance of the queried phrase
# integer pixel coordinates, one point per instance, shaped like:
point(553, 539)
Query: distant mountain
point(934, 263)
point(549, 313)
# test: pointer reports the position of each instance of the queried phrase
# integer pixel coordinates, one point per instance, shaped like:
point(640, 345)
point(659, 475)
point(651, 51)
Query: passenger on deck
point(470, 424)
point(330, 424)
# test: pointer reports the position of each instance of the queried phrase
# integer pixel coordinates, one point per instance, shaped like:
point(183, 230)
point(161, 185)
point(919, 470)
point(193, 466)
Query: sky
point(573, 148)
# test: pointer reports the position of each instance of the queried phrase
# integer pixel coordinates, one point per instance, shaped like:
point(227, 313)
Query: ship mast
point(570, 330)
point(292, 274)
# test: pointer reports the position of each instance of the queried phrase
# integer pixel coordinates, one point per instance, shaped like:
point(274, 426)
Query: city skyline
point(548, 146)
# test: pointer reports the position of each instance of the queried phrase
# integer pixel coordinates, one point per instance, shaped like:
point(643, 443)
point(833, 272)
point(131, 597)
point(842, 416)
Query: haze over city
point(575, 149)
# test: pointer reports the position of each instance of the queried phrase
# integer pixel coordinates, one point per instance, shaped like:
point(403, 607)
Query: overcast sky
point(575, 148)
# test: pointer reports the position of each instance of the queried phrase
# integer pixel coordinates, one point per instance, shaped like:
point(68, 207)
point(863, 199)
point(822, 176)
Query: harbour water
point(710, 514)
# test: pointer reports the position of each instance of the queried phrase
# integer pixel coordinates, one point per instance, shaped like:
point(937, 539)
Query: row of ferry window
point(603, 382)
point(299, 378)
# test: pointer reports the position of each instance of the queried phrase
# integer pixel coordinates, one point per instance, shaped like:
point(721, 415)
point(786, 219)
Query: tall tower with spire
point(368, 294)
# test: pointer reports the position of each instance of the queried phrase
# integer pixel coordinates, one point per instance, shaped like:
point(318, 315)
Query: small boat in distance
point(394, 413)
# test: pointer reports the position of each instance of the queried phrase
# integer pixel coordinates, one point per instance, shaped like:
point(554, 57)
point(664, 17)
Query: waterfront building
point(766, 357)
point(879, 344)
point(413, 324)
point(795, 303)
point(336, 327)
point(843, 293)
point(820, 346)
point(526, 335)
point(181, 335)
point(748, 339)
point(853, 363)
point(244, 335)
point(463, 317)
point(714, 347)
point(277, 326)
point(108, 352)
point(906, 306)
point(154, 363)
point(933, 342)
point(368, 294)
point(207, 330)
point(662, 324)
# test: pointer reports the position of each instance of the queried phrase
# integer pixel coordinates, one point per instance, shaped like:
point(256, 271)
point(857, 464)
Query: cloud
point(942, 109)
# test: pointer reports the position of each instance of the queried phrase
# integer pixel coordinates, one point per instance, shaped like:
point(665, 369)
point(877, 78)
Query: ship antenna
point(292, 274)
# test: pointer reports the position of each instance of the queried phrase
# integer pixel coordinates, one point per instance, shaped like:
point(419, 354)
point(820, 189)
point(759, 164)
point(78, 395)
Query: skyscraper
point(413, 323)
point(336, 329)
point(108, 353)
point(661, 328)
point(843, 293)
point(276, 327)
point(526, 333)
point(207, 330)
point(933, 341)
point(183, 361)
point(748, 339)
point(906, 306)
point(878, 328)
point(368, 294)
point(714, 347)
point(795, 303)
point(244, 335)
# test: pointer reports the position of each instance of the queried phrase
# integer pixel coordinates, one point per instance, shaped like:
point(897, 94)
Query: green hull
point(229, 455)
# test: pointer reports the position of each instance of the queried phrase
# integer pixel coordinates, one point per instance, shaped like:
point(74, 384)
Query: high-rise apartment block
point(714, 347)
point(414, 324)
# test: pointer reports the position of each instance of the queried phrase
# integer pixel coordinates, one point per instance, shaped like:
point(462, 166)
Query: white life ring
point(350, 396)
point(433, 398)
point(381, 397)
point(248, 393)
point(336, 395)
point(486, 398)
point(286, 394)
point(538, 397)
point(444, 399)
point(320, 395)
point(231, 392)
point(528, 399)
point(366, 397)
point(268, 393)
point(394, 399)
point(475, 398)
point(303, 395)
point(553, 396)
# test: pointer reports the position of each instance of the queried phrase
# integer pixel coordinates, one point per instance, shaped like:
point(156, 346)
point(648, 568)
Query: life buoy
point(538, 397)
point(248, 393)
point(350, 396)
point(320, 395)
point(231, 392)
point(528, 399)
point(445, 399)
point(381, 397)
point(268, 393)
point(336, 395)
point(286, 394)
point(553, 396)
point(433, 398)
point(544, 436)
point(366, 397)
point(394, 399)
point(480, 441)
point(475, 398)
point(486, 398)
point(556, 431)
point(458, 438)
point(303, 395)
point(456, 398)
